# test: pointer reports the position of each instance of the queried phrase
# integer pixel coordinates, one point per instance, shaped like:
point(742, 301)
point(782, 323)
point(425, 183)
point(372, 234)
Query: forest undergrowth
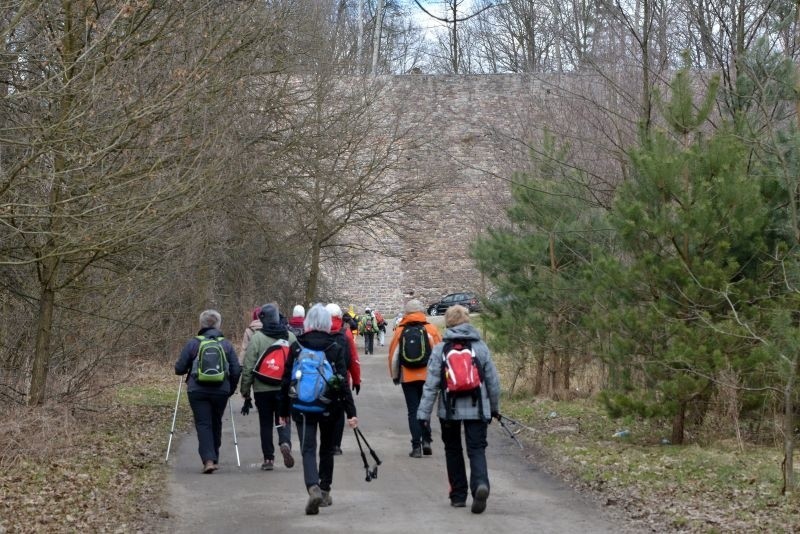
point(717, 486)
point(95, 467)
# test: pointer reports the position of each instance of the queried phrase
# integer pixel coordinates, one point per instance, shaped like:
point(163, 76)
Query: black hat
point(269, 314)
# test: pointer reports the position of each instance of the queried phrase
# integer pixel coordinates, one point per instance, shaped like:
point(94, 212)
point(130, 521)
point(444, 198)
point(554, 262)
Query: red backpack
point(461, 373)
point(271, 364)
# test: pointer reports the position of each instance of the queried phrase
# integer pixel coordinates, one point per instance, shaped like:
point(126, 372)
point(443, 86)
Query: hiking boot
point(286, 451)
point(337, 451)
point(426, 448)
point(327, 500)
point(479, 499)
point(416, 452)
point(314, 500)
point(208, 467)
point(268, 465)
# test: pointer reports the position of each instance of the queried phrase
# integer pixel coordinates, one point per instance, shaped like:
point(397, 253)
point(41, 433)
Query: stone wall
point(473, 135)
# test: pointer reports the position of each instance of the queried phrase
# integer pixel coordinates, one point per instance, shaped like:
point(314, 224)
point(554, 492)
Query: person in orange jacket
point(408, 358)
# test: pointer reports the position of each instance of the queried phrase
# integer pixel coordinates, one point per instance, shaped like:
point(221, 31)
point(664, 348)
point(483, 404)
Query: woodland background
point(158, 158)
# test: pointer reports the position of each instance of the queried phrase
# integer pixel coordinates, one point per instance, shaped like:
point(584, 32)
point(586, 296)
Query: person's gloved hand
point(356, 388)
point(496, 415)
point(248, 403)
point(424, 423)
point(396, 381)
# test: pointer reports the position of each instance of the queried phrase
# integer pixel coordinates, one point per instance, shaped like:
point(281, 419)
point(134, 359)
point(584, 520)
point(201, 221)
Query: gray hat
point(269, 314)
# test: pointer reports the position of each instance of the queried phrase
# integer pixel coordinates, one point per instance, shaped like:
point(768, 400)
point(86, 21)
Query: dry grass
point(92, 468)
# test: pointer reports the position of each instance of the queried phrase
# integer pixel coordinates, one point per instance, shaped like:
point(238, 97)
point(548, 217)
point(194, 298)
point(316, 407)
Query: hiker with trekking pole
point(315, 391)
point(212, 371)
point(463, 376)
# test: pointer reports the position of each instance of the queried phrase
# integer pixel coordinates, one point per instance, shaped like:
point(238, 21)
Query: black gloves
point(356, 388)
point(396, 381)
point(496, 415)
point(424, 423)
point(248, 403)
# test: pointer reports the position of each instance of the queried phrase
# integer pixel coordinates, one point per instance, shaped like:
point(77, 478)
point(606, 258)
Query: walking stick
point(235, 441)
point(174, 416)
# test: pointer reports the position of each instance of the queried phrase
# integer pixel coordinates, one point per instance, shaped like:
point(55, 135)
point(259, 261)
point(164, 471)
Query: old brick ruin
point(467, 122)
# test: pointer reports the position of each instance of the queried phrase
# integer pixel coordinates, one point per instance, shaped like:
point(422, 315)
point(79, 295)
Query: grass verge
point(660, 487)
point(93, 468)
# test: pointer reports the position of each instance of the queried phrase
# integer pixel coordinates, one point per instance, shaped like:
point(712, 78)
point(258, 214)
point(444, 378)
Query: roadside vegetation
point(712, 485)
point(98, 468)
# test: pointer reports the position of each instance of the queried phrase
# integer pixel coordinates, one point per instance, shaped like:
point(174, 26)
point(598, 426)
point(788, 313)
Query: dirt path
point(409, 496)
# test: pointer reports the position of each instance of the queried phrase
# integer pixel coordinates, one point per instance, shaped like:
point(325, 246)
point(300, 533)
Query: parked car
point(467, 299)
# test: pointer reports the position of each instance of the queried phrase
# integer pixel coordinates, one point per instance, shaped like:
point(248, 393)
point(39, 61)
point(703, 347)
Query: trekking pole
point(508, 430)
point(235, 442)
point(363, 456)
point(174, 416)
point(371, 450)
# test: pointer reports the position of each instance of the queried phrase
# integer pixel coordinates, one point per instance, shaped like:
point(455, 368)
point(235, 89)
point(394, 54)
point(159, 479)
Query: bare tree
point(106, 132)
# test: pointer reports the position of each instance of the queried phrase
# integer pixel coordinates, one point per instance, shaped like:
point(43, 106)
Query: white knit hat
point(298, 311)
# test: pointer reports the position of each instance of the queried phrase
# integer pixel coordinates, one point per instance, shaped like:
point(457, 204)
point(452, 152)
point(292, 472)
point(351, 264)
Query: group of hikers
point(306, 369)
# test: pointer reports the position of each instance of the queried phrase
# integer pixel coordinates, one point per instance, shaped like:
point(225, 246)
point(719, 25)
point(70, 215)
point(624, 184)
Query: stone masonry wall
point(473, 126)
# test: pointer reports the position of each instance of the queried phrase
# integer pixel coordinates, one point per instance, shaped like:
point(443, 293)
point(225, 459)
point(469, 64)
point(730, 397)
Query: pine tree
point(691, 225)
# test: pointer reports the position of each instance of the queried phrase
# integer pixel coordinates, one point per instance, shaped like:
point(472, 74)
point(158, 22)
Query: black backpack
point(415, 346)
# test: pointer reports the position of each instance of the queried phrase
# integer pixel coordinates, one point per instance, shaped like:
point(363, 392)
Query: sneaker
point(327, 500)
point(337, 451)
point(286, 451)
point(426, 448)
point(479, 499)
point(458, 504)
point(314, 500)
point(268, 465)
point(416, 452)
point(208, 467)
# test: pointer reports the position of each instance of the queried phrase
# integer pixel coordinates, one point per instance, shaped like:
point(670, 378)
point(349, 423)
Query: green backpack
point(210, 367)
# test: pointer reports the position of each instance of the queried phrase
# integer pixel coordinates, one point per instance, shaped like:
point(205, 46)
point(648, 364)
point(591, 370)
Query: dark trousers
point(413, 394)
point(369, 342)
point(208, 410)
point(475, 438)
point(307, 425)
point(339, 430)
point(267, 404)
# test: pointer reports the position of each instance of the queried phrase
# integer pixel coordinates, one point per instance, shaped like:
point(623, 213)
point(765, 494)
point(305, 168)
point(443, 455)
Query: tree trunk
point(678, 423)
point(313, 274)
point(538, 380)
point(376, 37)
point(788, 430)
point(41, 355)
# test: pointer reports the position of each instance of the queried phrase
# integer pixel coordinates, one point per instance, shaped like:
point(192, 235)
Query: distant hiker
point(296, 322)
point(341, 332)
point(252, 328)
point(409, 351)
point(381, 327)
point(262, 371)
point(462, 374)
point(315, 391)
point(212, 368)
point(351, 317)
point(368, 327)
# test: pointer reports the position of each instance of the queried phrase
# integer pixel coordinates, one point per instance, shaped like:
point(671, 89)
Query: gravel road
point(409, 496)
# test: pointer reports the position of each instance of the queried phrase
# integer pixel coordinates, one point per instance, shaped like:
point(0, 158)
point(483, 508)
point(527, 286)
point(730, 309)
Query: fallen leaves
point(98, 471)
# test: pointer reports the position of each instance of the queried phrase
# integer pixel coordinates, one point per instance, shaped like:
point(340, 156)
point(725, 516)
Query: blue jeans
point(208, 410)
point(475, 438)
point(267, 404)
point(413, 394)
point(307, 424)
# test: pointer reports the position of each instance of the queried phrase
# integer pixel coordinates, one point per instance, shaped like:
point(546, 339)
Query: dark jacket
point(184, 365)
point(336, 355)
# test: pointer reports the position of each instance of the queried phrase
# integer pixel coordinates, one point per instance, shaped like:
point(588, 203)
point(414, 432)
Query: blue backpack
point(311, 374)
